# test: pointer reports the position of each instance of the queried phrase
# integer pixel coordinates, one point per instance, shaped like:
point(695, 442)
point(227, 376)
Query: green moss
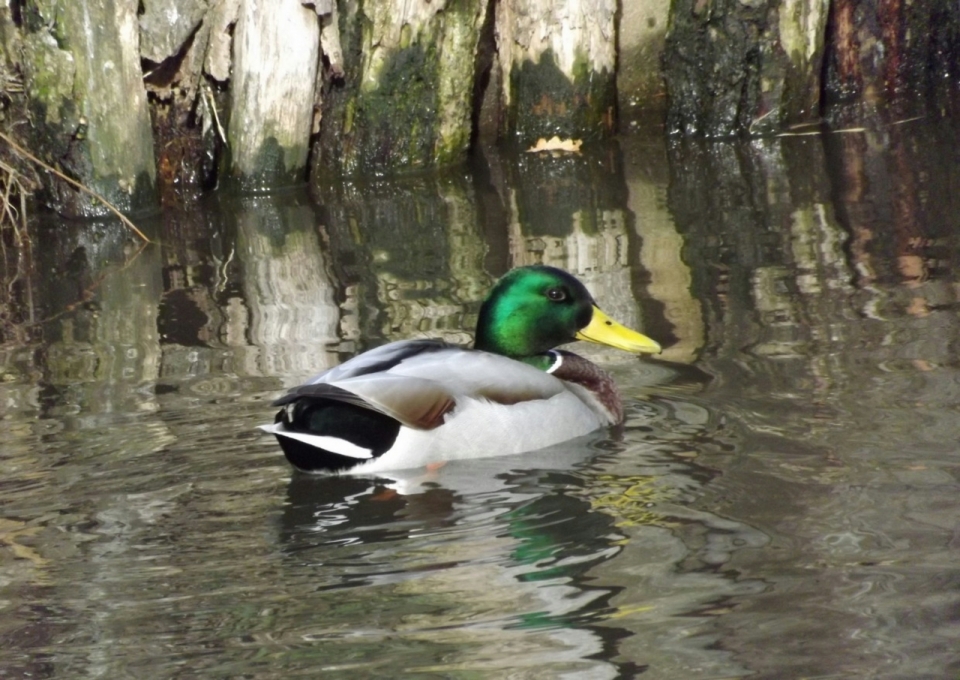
point(394, 124)
point(348, 118)
point(450, 148)
point(404, 115)
point(51, 74)
point(83, 119)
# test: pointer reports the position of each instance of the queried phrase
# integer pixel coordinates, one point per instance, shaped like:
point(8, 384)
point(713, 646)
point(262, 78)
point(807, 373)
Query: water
point(782, 501)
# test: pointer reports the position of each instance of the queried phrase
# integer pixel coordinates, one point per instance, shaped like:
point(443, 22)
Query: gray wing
point(419, 381)
point(380, 359)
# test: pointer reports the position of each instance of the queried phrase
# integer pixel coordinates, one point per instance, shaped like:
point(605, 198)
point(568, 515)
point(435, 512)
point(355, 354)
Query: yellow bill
point(605, 331)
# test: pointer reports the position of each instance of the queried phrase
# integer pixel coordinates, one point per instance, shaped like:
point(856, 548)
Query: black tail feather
point(359, 426)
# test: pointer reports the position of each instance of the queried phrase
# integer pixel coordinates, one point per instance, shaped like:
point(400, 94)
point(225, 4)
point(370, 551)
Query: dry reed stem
point(11, 187)
point(792, 129)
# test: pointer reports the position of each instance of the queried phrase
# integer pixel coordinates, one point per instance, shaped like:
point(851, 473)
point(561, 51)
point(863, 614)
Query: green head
point(533, 309)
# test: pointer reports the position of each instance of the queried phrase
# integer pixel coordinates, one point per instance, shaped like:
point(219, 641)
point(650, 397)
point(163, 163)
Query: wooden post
point(275, 58)
point(84, 84)
point(558, 63)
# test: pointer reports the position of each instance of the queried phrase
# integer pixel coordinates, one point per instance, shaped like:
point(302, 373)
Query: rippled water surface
point(782, 502)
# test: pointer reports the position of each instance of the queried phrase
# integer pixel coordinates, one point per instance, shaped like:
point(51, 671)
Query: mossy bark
point(558, 66)
point(743, 67)
point(84, 83)
point(404, 99)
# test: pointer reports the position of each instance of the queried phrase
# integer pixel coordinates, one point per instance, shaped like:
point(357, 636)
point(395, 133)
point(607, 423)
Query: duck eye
point(557, 294)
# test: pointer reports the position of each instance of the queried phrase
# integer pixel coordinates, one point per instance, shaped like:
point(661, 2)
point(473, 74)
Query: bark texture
point(404, 99)
point(82, 71)
point(743, 66)
point(891, 52)
point(558, 63)
point(275, 59)
point(186, 45)
point(166, 25)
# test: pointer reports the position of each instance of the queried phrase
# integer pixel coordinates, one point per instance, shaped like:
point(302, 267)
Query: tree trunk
point(275, 59)
point(400, 93)
point(404, 99)
point(82, 70)
point(558, 68)
point(743, 67)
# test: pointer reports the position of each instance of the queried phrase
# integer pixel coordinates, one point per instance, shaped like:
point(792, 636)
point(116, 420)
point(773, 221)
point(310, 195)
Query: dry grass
point(13, 203)
point(15, 285)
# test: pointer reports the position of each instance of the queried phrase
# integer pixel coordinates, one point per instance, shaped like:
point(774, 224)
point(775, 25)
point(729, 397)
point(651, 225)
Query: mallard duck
point(419, 402)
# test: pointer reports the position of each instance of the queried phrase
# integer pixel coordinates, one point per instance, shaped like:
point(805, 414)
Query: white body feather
point(480, 429)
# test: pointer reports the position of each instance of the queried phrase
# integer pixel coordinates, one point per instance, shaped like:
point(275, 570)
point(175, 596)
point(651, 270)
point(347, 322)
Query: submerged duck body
point(416, 402)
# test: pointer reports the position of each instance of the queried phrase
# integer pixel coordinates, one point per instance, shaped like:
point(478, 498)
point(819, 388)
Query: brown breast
point(583, 372)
